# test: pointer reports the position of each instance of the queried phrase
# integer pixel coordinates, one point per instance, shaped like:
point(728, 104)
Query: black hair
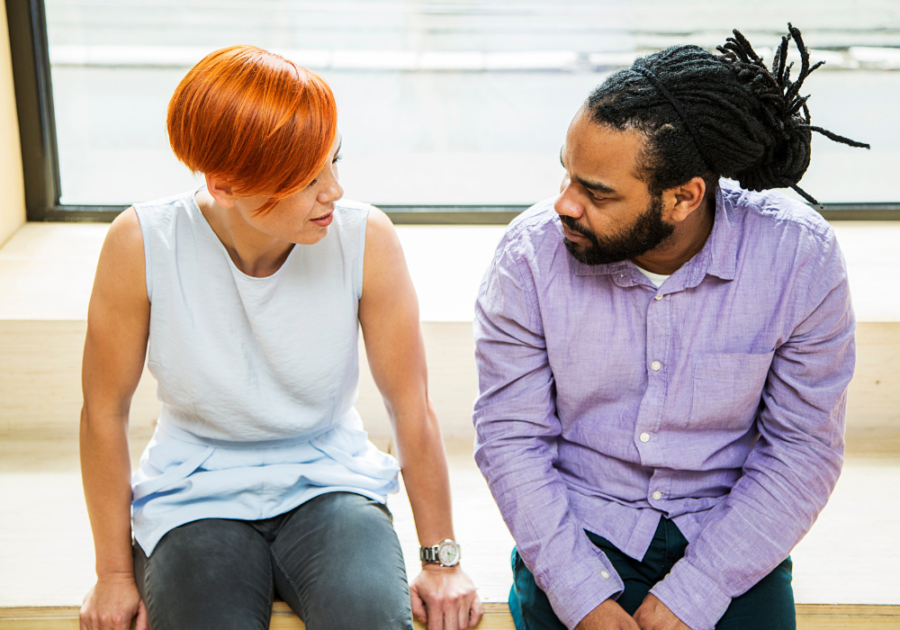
point(707, 115)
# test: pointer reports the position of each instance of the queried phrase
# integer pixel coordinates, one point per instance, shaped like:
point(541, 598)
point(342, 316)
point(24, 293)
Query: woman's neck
point(254, 253)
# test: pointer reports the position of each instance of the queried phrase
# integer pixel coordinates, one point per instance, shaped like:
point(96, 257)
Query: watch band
point(428, 554)
point(433, 554)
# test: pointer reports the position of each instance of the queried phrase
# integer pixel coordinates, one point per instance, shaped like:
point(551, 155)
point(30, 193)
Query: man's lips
point(572, 235)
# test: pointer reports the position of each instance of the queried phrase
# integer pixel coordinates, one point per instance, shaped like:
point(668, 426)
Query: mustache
point(573, 225)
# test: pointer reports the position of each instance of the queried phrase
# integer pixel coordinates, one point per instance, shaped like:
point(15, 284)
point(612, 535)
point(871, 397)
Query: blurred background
point(448, 101)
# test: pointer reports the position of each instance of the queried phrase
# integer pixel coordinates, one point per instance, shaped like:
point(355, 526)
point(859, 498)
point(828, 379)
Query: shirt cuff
point(692, 596)
point(578, 590)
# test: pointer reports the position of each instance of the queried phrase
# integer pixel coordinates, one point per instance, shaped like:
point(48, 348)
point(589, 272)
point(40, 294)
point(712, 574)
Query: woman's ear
point(219, 191)
point(688, 198)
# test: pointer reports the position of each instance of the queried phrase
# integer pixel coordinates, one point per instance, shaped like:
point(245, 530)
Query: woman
point(247, 295)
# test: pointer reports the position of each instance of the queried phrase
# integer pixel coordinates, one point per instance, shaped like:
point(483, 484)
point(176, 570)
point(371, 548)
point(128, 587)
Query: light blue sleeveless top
point(257, 376)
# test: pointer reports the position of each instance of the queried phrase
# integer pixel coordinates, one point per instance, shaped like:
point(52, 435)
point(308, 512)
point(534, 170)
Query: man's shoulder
point(533, 230)
point(771, 216)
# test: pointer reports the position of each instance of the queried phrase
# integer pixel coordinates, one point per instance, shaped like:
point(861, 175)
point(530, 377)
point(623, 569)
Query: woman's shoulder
point(161, 212)
point(352, 215)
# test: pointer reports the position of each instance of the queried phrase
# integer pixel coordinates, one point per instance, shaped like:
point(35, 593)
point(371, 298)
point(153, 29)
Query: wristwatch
point(446, 553)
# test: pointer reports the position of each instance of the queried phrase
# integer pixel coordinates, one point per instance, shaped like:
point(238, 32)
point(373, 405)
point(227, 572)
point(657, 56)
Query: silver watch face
point(448, 553)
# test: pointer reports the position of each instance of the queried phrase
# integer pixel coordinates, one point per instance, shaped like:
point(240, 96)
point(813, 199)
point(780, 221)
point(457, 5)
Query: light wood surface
point(40, 384)
point(496, 617)
point(849, 557)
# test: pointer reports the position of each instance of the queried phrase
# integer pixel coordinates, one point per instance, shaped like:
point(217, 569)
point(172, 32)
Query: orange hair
point(256, 120)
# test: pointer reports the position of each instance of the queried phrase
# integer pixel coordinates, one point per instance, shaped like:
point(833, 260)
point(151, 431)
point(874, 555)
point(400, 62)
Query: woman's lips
point(324, 221)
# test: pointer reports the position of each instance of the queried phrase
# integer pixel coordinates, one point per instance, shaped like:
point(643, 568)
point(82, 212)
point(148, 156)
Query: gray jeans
point(335, 560)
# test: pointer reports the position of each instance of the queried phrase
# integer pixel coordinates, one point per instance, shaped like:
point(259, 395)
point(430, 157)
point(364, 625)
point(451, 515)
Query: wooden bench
point(46, 558)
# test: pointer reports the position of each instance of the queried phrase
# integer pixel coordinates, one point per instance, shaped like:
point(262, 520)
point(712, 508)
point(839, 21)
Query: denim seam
point(297, 592)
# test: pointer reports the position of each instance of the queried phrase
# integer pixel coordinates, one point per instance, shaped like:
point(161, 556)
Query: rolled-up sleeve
point(791, 472)
point(516, 446)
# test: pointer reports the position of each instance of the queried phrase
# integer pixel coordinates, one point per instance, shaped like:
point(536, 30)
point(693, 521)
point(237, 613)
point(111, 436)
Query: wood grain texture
point(40, 385)
point(496, 617)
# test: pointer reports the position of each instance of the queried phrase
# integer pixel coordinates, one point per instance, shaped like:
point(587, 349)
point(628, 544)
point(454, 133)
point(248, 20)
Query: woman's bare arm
point(389, 315)
point(114, 351)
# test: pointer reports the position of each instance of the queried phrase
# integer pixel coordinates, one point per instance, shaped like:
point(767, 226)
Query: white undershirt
point(656, 278)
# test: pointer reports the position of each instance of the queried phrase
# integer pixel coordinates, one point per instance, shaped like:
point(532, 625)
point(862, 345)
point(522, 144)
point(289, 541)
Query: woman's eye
point(337, 158)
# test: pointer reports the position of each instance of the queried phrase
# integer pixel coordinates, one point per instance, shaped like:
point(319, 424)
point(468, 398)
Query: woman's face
point(304, 217)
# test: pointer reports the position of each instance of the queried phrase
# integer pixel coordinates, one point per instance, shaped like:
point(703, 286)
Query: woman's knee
point(207, 574)
point(341, 565)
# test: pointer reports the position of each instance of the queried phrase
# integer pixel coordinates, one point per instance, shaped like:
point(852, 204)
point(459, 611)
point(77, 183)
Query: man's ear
point(219, 191)
point(686, 199)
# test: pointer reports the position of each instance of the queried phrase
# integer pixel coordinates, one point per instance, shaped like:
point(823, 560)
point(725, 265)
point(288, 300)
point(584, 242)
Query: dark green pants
point(767, 606)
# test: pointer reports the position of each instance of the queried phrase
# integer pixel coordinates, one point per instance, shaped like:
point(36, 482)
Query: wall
point(12, 190)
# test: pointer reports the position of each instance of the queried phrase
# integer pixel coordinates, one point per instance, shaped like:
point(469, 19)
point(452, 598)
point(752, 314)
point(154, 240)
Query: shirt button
point(645, 437)
point(605, 574)
point(656, 365)
point(657, 495)
point(658, 298)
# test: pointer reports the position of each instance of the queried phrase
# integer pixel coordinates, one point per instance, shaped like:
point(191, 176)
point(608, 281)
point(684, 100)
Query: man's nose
point(567, 203)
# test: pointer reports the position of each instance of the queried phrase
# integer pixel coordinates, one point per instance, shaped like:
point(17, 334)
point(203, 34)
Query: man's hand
point(608, 616)
point(444, 598)
point(112, 604)
point(654, 615)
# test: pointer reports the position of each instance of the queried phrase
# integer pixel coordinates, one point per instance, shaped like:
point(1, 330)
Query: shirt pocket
point(726, 390)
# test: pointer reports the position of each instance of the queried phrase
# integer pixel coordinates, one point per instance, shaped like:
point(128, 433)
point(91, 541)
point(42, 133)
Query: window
point(450, 110)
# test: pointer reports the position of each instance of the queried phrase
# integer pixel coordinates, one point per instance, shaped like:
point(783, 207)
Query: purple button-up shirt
point(717, 400)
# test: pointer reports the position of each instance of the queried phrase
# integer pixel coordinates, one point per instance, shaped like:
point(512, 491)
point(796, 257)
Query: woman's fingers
point(476, 611)
point(462, 613)
point(142, 623)
point(418, 606)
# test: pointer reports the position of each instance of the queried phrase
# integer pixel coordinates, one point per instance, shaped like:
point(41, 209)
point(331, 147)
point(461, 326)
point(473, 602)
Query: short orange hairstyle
point(258, 121)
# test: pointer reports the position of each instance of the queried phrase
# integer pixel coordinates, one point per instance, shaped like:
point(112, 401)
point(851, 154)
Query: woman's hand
point(444, 598)
point(111, 605)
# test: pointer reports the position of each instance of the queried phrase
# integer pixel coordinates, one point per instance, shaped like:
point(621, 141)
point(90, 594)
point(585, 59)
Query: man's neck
point(685, 242)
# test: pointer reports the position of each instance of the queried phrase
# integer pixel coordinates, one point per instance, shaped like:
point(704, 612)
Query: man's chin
point(588, 254)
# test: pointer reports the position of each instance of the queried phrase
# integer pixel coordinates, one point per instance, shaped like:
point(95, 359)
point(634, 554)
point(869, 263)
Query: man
point(663, 356)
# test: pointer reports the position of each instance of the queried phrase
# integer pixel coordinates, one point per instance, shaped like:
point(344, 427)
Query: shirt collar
point(718, 256)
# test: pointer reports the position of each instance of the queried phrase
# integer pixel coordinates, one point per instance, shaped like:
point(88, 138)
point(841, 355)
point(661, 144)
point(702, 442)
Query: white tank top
point(257, 376)
point(240, 358)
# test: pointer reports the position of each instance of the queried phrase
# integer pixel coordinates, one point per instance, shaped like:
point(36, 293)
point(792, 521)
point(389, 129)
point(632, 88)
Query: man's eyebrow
point(596, 186)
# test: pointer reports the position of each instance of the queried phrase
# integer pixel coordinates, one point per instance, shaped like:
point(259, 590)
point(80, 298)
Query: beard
point(647, 231)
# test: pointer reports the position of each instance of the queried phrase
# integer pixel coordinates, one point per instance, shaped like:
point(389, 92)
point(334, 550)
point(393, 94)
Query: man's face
point(607, 213)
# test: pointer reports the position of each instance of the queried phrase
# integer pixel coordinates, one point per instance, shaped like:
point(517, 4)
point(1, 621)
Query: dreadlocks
point(712, 115)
